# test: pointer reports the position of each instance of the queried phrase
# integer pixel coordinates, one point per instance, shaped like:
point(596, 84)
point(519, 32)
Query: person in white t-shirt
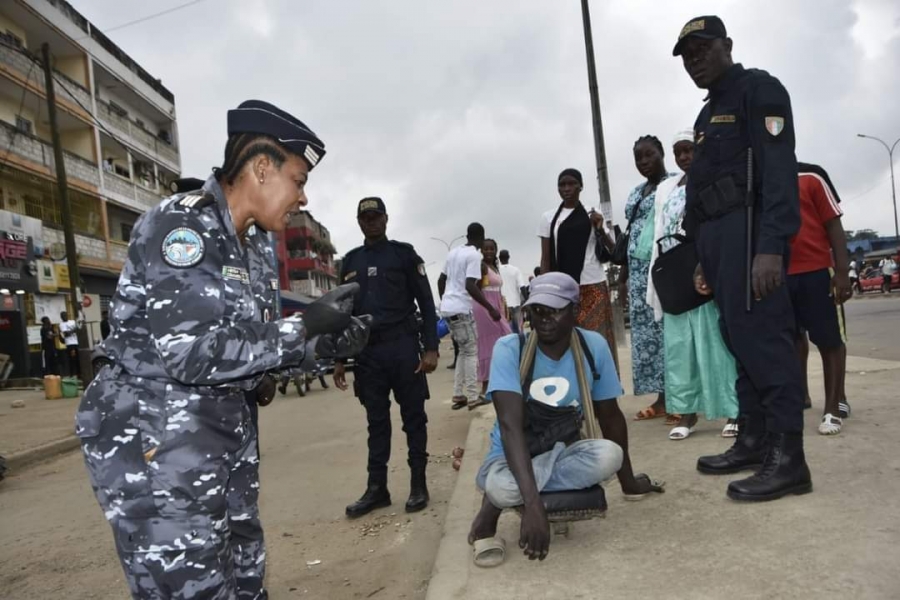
point(68, 329)
point(888, 267)
point(458, 287)
point(514, 287)
point(570, 235)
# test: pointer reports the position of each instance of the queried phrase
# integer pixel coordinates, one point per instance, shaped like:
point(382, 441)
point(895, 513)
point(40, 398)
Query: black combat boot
point(783, 472)
point(376, 496)
point(747, 452)
point(418, 491)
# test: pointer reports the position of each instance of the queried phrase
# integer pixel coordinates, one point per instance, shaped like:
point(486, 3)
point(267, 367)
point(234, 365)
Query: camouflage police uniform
point(165, 430)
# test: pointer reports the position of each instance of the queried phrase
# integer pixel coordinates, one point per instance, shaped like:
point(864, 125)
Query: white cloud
point(462, 111)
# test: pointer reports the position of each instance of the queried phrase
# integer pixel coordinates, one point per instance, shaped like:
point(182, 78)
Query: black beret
point(256, 116)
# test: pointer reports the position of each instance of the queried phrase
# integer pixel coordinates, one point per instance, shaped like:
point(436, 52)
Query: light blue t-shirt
point(555, 382)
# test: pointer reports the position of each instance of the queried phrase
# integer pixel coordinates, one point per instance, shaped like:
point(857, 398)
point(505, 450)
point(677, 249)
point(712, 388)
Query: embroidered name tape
point(236, 274)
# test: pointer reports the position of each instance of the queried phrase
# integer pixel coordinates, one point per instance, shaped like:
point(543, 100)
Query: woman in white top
point(569, 243)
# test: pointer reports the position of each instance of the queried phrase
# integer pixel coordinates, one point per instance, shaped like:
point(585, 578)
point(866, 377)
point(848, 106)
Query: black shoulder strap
point(553, 264)
point(196, 200)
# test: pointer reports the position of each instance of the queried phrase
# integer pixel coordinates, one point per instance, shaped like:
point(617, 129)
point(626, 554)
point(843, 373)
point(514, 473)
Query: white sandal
point(830, 425)
point(730, 430)
point(681, 432)
point(489, 552)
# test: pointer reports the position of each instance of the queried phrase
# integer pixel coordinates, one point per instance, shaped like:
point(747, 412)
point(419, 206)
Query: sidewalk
point(693, 542)
point(37, 431)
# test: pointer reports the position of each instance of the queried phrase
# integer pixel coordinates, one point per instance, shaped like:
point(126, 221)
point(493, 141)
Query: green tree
point(862, 234)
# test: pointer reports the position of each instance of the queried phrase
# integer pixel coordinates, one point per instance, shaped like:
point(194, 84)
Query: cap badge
point(698, 25)
point(774, 125)
point(368, 205)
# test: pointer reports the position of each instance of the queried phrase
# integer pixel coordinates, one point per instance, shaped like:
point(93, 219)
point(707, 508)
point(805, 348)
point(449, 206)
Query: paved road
point(873, 326)
point(57, 544)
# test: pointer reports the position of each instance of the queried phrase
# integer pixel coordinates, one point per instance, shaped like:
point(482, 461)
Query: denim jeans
point(581, 465)
point(515, 319)
point(465, 382)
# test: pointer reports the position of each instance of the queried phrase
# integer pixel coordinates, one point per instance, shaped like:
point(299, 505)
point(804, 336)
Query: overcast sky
point(467, 110)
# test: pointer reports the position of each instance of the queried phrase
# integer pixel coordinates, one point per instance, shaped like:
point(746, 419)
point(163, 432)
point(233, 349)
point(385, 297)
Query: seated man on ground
point(512, 474)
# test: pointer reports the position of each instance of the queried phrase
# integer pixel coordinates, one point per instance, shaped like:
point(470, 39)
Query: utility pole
point(602, 171)
point(890, 150)
point(71, 252)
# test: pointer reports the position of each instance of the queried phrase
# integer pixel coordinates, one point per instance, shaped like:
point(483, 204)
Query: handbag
point(620, 250)
point(673, 276)
point(545, 425)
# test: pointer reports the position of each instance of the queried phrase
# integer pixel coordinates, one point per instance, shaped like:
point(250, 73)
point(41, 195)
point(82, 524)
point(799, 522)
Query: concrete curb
point(25, 458)
point(450, 574)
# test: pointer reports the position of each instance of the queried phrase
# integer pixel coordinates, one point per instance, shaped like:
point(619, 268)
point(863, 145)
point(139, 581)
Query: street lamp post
point(450, 245)
point(890, 150)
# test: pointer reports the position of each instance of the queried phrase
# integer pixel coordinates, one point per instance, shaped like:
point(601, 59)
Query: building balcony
point(127, 193)
point(131, 132)
point(310, 264)
point(37, 152)
point(19, 66)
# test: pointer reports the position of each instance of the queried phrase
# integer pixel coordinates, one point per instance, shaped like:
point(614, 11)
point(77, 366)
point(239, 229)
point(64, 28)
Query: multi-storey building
point(120, 145)
point(306, 257)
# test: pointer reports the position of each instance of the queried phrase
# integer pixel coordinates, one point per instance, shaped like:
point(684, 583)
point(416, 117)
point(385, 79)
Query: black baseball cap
point(371, 204)
point(708, 27)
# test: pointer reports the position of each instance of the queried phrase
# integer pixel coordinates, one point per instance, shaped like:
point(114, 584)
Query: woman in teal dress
point(647, 352)
point(700, 371)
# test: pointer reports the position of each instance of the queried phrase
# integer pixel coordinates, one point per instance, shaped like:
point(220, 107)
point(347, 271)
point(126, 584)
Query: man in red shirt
point(819, 283)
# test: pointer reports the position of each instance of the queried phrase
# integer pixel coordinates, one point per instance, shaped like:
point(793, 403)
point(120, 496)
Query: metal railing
point(37, 151)
point(142, 138)
point(23, 63)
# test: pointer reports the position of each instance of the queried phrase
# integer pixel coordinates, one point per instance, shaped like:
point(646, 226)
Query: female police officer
point(165, 431)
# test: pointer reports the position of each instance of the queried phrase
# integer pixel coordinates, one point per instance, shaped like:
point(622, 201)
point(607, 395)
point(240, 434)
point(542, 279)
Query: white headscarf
point(686, 135)
point(662, 193)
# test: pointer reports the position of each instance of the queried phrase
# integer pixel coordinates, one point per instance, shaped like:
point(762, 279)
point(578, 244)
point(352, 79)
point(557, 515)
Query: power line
point(870, 190)
point(12, 138)
point(146, 18)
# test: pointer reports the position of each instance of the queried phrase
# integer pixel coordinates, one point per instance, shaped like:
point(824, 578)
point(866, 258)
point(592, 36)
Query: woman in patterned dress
point(570, 235)
point(700, 371)
point(647, 351)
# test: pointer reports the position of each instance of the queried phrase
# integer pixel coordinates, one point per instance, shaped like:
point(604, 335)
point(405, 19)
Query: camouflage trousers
point(176, 471)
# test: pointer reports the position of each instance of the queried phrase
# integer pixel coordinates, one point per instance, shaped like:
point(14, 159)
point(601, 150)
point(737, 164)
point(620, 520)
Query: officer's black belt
point(719, 199)
point(390, 334)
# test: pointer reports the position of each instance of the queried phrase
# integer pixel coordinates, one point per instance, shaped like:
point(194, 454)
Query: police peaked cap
point(256, 116)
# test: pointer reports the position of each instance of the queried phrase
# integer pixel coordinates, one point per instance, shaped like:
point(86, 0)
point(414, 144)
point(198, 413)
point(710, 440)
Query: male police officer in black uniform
point(748, 114)
point(392, 280)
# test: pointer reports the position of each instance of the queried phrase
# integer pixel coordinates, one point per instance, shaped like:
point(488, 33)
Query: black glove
point(348, 342)
point(331, 312)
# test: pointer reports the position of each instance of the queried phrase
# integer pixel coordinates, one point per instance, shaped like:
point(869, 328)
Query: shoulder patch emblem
point(774, 125)
point(273, 283)
point(350, 275)
point(421, 269)
point(183, 247)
